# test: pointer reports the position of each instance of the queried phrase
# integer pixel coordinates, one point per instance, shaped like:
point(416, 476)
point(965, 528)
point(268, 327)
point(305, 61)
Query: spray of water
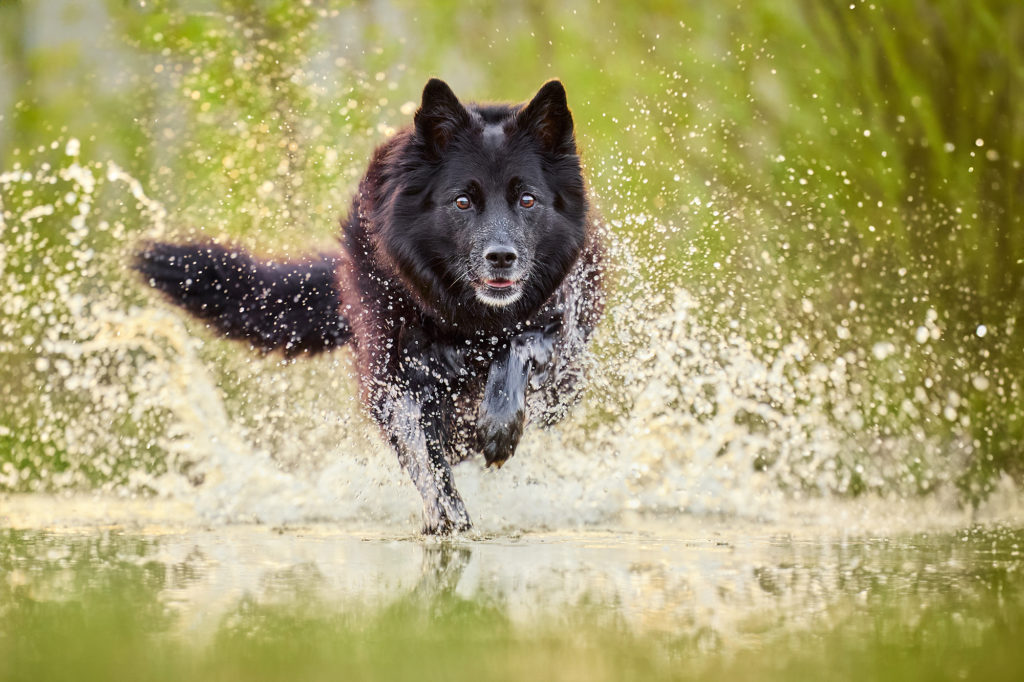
point(681, 417)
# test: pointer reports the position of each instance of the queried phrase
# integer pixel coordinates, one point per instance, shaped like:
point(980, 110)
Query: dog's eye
point(463, 202)
point(527, 201)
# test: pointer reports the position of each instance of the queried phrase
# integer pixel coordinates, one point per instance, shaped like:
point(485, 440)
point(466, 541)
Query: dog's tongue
point(499, 283)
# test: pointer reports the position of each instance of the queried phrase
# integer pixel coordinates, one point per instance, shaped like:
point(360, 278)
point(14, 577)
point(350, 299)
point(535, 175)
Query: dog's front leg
point(502, 412)
point(416, 431)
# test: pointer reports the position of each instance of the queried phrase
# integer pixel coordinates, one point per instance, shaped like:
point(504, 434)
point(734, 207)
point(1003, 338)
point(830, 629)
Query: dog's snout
point(501, 256)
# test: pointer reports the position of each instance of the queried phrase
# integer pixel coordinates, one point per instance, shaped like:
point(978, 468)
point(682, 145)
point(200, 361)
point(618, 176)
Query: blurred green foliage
point(844, 173)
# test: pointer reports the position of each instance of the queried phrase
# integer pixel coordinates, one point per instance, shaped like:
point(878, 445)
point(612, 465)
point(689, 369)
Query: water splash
point(683, 416)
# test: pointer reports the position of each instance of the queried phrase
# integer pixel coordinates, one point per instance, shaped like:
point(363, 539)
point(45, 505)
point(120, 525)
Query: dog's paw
point(446, 517)
point(498, 436)
point(447, 526)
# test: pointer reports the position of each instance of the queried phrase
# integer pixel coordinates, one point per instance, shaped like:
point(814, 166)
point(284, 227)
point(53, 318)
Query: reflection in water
point(256, 603)
point(718, 587)
point(443, 567)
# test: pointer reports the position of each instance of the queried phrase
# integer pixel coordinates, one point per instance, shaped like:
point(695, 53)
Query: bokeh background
point(836, 187)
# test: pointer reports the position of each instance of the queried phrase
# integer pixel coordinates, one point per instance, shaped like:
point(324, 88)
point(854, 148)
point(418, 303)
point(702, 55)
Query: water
point(689, 599)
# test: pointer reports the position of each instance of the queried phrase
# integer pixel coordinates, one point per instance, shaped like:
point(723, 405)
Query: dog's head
point(488, 205)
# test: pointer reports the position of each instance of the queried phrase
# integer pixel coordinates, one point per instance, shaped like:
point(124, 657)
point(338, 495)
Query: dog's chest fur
point(393, 337)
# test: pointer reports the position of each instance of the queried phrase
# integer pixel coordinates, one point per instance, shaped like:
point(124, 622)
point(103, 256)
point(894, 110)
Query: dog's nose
point(501, 256)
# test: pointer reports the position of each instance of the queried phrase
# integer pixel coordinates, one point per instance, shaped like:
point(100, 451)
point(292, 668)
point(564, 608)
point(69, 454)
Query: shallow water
point(659, 600)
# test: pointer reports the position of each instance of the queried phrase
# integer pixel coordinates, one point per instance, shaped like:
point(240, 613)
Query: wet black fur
point(451, 361)
point(288, 306)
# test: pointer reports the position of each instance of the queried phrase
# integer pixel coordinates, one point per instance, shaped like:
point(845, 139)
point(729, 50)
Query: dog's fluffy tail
point(287, 306)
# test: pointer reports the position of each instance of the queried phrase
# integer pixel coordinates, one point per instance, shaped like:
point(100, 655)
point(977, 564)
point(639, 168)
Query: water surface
point(814, 596)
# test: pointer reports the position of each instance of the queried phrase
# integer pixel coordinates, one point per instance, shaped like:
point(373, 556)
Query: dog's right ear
point(440, 115)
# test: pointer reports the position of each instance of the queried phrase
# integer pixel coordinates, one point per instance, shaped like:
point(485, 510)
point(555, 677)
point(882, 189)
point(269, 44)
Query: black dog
point(469, 280)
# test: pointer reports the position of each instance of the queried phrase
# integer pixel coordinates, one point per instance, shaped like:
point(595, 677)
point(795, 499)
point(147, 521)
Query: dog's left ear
point(440, 115)
point(547, 117)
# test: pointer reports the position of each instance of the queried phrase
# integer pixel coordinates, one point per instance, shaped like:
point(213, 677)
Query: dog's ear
point(547, 117)
point(440, 115)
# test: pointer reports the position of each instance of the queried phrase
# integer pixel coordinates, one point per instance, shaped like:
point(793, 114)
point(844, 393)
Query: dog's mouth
point(498, 291)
